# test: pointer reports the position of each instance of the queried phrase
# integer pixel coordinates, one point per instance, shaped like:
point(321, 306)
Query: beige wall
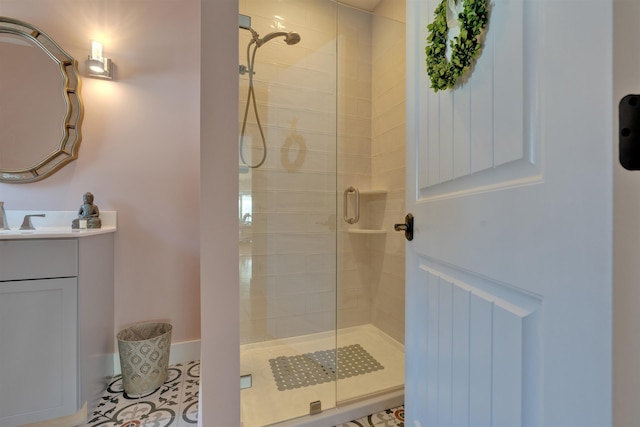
point(372, 157)
point(139, 153)
point(388, 163)
point(354, 165)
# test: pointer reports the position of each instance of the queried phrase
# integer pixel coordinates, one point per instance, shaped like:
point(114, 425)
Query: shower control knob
point(407, 227)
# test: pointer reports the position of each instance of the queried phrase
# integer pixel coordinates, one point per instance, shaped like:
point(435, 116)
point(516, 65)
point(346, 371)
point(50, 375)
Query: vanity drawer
point(38, 259)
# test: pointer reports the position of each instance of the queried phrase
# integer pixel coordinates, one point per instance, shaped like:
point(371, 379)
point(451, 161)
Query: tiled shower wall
point(371, 156)
point(388, 137)
point(291, 241)
point(354, 163)
point(290, 247)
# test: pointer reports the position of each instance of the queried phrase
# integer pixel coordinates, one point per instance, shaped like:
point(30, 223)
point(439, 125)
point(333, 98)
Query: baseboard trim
point(181, 352)
point(78, 419)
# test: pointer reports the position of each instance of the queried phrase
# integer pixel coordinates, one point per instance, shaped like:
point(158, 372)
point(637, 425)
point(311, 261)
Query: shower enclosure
point(321, 155)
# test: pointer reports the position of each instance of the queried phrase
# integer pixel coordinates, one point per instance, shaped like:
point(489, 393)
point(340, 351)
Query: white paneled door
point(509, 181)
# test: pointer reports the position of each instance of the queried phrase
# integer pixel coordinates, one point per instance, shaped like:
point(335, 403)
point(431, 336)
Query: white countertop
point(55, 225)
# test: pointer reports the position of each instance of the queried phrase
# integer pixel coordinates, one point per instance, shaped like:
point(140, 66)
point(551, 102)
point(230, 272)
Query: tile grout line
point(167, 404)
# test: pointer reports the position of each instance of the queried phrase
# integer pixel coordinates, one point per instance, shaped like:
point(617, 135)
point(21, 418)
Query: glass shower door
point(287, 208)
point(371, 161)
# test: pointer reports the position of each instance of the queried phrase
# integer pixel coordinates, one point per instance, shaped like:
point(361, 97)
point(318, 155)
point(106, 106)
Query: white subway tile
point(321, 302)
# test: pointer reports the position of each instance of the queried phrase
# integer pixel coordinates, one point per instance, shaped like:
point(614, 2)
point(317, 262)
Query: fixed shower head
point(289, 38)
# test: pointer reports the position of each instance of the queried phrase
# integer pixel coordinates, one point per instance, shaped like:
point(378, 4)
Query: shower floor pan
point(265, 404)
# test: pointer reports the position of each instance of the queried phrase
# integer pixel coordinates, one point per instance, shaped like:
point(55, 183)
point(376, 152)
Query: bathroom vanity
point(56, 317)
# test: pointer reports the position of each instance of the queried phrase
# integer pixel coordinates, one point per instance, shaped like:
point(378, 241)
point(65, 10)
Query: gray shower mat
point(291, 372)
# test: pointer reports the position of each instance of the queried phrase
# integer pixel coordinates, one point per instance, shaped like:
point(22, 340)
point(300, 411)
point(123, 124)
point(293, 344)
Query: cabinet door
point(38, 350)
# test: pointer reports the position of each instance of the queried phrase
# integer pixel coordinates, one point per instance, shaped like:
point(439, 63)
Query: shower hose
point(251, 99)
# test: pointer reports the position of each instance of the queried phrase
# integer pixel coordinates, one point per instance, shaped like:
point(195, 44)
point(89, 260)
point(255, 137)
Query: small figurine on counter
point(88, 214)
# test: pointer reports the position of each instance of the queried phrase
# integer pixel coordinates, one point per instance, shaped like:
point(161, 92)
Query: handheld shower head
point(292, 38)
point(289, 38)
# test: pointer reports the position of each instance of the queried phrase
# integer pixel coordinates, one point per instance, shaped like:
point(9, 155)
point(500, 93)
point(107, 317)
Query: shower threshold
point(347, 411)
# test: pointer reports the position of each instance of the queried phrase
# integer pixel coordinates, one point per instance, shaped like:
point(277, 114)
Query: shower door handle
point(407, 227)
point(356, 217)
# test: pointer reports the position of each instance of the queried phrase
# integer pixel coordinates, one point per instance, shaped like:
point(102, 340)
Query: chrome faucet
point(3, 218)
point(26, 222)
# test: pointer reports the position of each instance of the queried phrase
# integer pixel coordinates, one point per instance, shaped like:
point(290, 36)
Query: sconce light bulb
point(96, 50)
point(96, 62)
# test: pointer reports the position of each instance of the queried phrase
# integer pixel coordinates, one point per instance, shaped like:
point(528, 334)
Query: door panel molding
point(483, 136)
point(481, 338)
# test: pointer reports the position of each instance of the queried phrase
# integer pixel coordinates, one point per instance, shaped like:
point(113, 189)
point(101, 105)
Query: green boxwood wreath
point(465, 47)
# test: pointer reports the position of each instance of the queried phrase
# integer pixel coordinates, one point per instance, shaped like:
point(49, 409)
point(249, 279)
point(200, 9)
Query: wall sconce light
point(99, 66)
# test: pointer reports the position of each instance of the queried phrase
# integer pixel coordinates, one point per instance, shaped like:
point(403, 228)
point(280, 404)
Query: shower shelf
point(372, 192)
point(370, 231)
point(365, 231)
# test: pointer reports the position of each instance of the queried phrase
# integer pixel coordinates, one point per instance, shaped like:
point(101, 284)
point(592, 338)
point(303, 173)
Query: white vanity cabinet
point(56, 326)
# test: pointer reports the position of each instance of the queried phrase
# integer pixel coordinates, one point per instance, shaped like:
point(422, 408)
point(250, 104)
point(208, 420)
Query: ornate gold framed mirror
point(40, 105)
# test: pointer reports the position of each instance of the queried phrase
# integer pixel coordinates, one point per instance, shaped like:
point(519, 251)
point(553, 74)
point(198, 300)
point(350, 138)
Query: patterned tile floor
point(175, 404)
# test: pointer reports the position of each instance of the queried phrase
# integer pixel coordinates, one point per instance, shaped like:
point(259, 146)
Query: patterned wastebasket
point(144, 357)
